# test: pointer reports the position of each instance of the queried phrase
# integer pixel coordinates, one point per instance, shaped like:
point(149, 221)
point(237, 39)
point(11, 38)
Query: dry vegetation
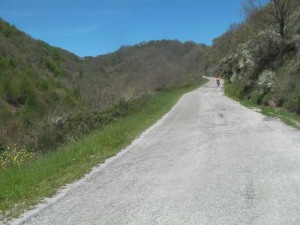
point(49, 96)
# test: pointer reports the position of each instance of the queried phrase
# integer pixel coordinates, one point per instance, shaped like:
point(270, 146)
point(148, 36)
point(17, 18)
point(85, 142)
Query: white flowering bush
point(233, 77)
point(266, 81)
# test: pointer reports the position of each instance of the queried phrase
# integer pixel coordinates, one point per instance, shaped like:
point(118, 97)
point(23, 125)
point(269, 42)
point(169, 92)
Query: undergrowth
point(24, 185)
point(285, 116)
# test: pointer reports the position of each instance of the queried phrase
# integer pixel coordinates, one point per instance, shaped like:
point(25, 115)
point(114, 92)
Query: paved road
point(210, 161)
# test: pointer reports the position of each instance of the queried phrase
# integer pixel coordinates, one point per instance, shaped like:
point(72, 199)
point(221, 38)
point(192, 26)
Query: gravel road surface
point(210, 161)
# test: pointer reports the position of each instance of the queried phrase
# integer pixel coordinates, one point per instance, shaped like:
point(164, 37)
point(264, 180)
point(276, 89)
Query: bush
point(266, 81)
point(4, 64)
point(43, 86)
point(49, 139)
point(293, 104)
point(256, 96)
point(27, 92)
point(10, 90)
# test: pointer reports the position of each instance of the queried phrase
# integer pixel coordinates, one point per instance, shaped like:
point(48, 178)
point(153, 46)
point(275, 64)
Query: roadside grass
point(24, 186)
point(288, 118)
point(285, 116)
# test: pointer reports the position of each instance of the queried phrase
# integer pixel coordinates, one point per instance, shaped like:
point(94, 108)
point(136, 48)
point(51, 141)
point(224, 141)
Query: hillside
point(49, 96)
point(258, 63)
point(32, 86)
point(140, 70)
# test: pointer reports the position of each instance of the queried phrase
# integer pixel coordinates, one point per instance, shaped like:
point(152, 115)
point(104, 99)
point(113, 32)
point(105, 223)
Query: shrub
point(27, 92)
point(49, 139)
point(4, 64)
point(54, 96)
point(293, 104)
point(31, 101)
point(266, 81)
point(43, 85)
point(10, 90)
point(51, 65)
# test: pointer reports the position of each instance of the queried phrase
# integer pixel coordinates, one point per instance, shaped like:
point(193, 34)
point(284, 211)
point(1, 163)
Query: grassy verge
point(288, 118)
point(23, 186)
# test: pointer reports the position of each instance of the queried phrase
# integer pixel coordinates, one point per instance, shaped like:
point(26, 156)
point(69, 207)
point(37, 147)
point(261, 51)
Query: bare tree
point(277, 14)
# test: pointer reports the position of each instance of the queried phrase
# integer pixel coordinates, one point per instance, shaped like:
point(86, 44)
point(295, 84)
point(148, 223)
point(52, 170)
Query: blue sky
point(94, 27)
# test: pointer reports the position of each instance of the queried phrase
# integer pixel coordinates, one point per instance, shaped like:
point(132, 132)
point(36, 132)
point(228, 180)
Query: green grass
point(285, 116)
point(288, 118)
point(23, 186)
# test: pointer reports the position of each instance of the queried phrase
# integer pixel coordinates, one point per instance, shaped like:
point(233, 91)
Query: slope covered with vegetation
point(138, 70)
point(32, 90)
point(258, 62)
point(49, 96)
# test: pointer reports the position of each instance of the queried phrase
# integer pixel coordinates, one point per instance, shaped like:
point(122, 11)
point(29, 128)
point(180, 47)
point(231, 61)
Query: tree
point(277, 14)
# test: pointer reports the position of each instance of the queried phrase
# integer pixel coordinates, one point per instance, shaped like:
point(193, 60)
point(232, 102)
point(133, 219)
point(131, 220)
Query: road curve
point(210, 161)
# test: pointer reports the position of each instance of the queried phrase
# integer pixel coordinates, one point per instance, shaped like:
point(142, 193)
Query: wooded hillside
point(49, 96)
point(259, 61)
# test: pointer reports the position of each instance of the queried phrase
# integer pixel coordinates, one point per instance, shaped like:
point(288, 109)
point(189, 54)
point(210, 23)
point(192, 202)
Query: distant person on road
point(218, 79)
